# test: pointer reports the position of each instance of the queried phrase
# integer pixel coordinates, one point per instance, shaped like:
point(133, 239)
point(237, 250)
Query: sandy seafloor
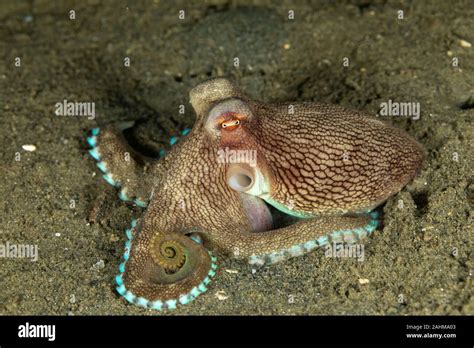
point(420, 262)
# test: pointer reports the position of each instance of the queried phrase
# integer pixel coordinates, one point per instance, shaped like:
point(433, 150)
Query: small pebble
point(99, 265)
point(465, 44)
point(57, 234)
point(221, 295)
point(114, 238)
point(363, 281)
point(29, 148)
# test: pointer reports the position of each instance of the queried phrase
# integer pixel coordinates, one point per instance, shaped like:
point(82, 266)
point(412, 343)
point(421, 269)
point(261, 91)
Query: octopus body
point(252, 180)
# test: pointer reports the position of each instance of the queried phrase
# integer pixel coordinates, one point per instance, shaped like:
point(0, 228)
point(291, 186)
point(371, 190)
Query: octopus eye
point(230, 125)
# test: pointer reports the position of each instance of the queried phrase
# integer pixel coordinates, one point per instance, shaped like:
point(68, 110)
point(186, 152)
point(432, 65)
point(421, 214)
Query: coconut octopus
point(255, 180)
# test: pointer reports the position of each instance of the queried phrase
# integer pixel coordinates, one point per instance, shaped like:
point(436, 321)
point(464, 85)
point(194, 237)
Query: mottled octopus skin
point(324, 163)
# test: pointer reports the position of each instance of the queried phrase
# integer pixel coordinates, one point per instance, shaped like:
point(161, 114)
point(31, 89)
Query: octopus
point(251, 180)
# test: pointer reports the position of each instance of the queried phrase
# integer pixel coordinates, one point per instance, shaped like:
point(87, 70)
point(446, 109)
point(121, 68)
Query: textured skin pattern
point(324, 161)
point(328, 159)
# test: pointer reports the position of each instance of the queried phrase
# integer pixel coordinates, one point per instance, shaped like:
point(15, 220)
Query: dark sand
point(409, 264)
